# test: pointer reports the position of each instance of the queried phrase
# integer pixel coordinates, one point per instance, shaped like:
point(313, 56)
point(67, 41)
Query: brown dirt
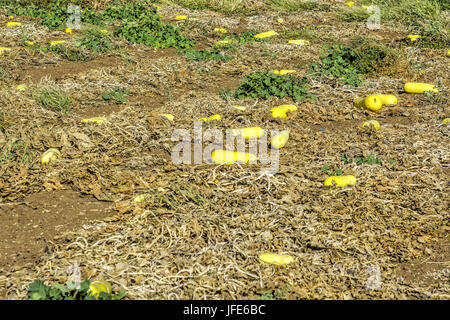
point(30, 225)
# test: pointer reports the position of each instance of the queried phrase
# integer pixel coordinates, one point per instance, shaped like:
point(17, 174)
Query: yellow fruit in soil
point(99, 286)
point(276, 259)
point(249, 133)
point(417, 87)
point(265, 34)
point(168, 116)
point(388, 98)
point(230, 157)
point(340, 181)
point(374, 123)
point(280, 140)
point(372, 102)
point(50, 155)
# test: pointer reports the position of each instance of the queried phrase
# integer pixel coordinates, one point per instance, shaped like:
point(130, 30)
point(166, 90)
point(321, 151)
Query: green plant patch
point(352, 62)
point(96, 41)
point(202, 55)
point(53, 99)
point(38, 290)
point(266, 84)
point(117, 95)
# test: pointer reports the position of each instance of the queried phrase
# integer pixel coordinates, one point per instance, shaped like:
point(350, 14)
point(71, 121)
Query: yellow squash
point(340, 181)
point(249, 133)
point(276, 259)
point(417, 87)
point(212, 118)
point(280, 140)
point(230, 157)
point(168, 116)
point(50, 155)
point(99, 286)
point(96, 120)
point(374, 123)
point(387, 98)
point(13, 24)
point(300, 42)
point(371, 102)
point(265, 34)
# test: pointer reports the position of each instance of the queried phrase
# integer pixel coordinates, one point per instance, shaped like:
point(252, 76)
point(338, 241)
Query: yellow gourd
point(340, 181)
point(50, 155)
point(96, 120)
point(230, 157)
point(13, 24)
point(212, 118)
point(387, 98)
point(300, 42)
point(374, 123)
point(99, 286)
point(220, 30)
point(280, 140)
point(371, 102)
point(265, 34)
point(282, 72)
point(249, 133)
point(168, 116)
point(417, 87)
point(180, 17)
point(276, 259)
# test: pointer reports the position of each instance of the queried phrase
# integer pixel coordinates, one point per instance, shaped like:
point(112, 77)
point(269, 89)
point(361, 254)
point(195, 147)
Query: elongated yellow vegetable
point(299, 42)
point(220, 30)
point(280, 140)
point(417, 87)
point(56, 42)
point(350, 4)
point(276, 259)
point(387, 98)
point(13, 24)
point(282, 72)
point(68, 31)
point(280, 20)
point(230, 157)
point(99, 286)
point(241, 108)
point(281, 111)
point(96, 120)
point(140, 198)
point(20, 87)
point(413, 37)
point(265, 34)
point(374, 123)
point(340, 181)
point(223, 42)
point(212, 118)
point(168, 116)
point(50, 155)
point(446, 120)
point(4, 49)
point(181, 17)
point(249, 133)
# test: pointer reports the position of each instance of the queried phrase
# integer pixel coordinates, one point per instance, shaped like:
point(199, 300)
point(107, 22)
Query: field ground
point(199, 233)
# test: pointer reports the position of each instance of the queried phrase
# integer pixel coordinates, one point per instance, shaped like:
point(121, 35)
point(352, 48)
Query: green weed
point(117, 95)
point(53, 99)
point(266, 84)
point(202, 55)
